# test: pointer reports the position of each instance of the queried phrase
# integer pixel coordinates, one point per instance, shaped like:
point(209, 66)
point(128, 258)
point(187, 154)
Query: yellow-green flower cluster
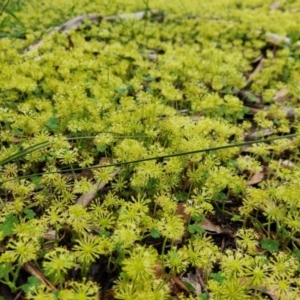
point(125, 89)
point(245, 277)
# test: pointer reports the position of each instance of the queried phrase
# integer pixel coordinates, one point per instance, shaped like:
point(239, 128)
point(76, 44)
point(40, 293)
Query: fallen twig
point(35, 272)
point(79, 20)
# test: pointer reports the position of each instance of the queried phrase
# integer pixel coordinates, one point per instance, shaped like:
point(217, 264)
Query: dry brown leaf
point(187, 181)
point(105, 160)
point(258, 134)
point(210, 227)
point(180, 211)
point(298, 242)
point(275, 5)
point(267, 292)
point(262, 289)
point(287, 164)
point(196, 117)
point(256, 178)
point(290, 112)
point(137, 16)
point(152, 55)
point(86, 198)
point(109, 295)
point(256, 70)
point(246, 148)
point(183, 111)
point(158, 270)
point(50, 235)
point(277, 39)
point(178, 285)
point(193, 280)
point(281, 95)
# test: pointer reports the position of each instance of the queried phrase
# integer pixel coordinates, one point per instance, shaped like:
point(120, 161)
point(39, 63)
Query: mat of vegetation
point(149, 149)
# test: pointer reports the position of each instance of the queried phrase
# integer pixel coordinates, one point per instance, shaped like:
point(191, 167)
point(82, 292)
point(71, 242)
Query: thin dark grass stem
point(149, 158)
point(4, 7)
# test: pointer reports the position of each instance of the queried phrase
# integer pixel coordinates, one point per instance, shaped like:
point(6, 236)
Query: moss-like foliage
point(86, 220)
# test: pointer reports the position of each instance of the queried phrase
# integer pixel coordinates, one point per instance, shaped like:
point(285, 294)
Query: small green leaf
point(189, 287)
point(119, 247)
point(252, 97)
point(266, 159)
point(232, 164)
point(148, 78)
point(194, 228)
point(297, 253)
point(5, 269)
point(277, 122)
point(16, 131)
point(181, 196)
point(221, 196)
point(30, 214)
point(121, 91)
point(246, 109)
point(154, 233)
point(128, 58)
point(150, 91)
point(103, 232)
point(236, 218)
point(270, 245)
point(218, 277)
point(293, 37)
point(8, 225)
point(32, 282)
point(55, 294)
point(53, 123)
point(198, 218)
point(203, 296)
point(36, 181)
point(129, 87)
point(101, 148)
point(42, 158)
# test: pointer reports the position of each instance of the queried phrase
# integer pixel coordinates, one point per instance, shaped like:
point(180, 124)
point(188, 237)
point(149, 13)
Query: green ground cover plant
point(149, 150)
